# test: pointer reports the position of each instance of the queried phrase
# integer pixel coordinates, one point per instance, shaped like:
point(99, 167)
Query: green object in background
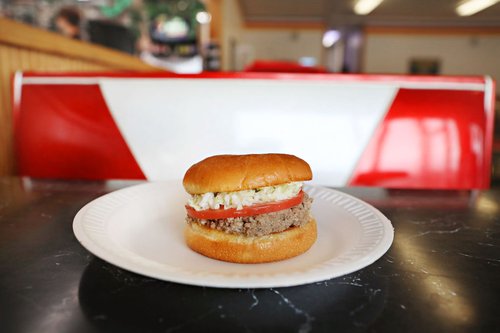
point(151, 9)
point(118, 7)
point(186, 9)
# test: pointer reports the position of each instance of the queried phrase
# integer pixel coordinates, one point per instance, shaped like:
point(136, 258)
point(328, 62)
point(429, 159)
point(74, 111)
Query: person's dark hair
point(70, 14)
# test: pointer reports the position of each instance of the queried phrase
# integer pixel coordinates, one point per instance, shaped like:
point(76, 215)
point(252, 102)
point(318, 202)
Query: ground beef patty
point(263, 224)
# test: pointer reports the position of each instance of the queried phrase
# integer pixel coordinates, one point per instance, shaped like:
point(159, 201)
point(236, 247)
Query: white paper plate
point(140, 229)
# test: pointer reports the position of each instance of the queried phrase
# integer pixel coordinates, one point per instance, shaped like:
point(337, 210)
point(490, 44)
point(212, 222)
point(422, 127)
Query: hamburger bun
point(228, 173)
point(250, 250)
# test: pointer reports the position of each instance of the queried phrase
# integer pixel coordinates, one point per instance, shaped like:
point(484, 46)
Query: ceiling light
point(471, 7)
point(330, 37)
point(203, 17)
point(364, 7)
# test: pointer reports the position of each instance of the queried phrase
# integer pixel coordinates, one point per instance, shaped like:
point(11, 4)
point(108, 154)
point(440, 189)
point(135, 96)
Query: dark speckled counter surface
point(442, 273)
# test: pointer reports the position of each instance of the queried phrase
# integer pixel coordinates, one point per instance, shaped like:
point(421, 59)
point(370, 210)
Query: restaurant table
point(442, 273)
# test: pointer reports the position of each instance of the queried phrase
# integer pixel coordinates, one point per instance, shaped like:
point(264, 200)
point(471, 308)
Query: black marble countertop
point(442, 273)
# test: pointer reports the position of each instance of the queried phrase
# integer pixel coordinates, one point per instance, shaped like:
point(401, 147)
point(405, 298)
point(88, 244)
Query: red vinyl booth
point(433, 132)
point(273, 66)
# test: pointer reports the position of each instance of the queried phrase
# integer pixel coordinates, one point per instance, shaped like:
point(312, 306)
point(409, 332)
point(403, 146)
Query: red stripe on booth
point(67, 131)
point(428, 139)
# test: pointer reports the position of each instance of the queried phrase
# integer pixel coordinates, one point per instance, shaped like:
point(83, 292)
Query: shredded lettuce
point(239, 199)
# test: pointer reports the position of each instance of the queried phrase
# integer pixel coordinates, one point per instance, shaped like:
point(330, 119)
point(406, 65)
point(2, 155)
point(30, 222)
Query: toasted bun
point(227, 173)
point(250, 250)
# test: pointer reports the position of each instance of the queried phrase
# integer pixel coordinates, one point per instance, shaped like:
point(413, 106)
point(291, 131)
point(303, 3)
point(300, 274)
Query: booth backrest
point(359, 130)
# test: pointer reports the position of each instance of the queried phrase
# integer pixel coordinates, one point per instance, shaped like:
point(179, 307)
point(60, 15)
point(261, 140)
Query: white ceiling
point(390, 12)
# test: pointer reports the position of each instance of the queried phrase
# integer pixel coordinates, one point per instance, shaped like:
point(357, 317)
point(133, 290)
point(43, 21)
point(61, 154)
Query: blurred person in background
point(68, 22)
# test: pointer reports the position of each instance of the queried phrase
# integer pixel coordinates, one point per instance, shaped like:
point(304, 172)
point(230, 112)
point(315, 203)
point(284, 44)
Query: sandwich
point(249, 208)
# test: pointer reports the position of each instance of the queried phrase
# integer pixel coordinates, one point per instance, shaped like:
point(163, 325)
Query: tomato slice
point(262, 208)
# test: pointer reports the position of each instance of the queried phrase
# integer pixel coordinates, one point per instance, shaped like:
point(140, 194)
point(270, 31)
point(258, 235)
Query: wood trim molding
point(214, 7)
point(25, 36)
point(285, 25)
point(433, 30)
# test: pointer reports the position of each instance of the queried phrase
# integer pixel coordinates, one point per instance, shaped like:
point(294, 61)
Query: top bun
point(228, 173)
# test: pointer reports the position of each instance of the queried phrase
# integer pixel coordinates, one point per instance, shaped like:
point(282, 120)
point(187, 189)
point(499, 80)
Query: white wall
point(283, 44)
point(265, 43)
point(459, 54)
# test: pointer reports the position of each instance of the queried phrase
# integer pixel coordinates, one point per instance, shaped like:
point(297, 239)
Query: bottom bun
point(250, 250)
